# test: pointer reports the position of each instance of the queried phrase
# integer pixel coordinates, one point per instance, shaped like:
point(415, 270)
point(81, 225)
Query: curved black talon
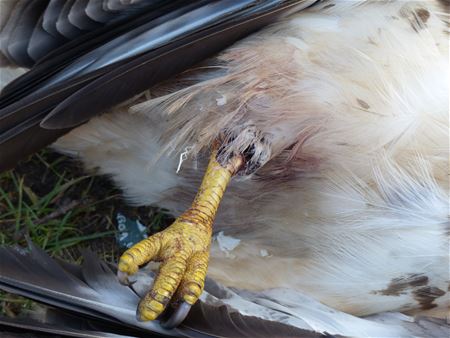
point(123, 278)
point(177, 317)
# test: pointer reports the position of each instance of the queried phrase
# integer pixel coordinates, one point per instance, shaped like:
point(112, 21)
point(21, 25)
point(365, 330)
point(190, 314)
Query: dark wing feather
point(93, 290)
point(144, 71)
point(221, 322)
point(42, 41)
point(63, 20)
point(15, 12)
point(160, 43)
point(147, 34)
point(63, 24)
point(61, 323)
point(21, 31)
point(113, 5)
point(35, 275)
point(51, 15)
point(96, 12)
point(56, 60)
point(79, 18)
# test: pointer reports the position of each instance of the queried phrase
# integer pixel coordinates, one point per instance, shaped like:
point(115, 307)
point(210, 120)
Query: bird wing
point(93, 294)
point(61, 323)
point(35, 28)
point(92, 290)
point(95, 57)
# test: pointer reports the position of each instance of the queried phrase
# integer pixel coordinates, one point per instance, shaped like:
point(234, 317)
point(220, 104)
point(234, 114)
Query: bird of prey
point(327, 131)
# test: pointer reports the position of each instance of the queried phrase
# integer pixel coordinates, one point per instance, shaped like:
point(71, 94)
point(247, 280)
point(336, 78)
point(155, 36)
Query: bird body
point(345, 194)
point(349, 108)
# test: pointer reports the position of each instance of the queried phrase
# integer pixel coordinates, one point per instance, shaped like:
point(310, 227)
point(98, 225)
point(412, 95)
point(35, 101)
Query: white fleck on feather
point(226, 243)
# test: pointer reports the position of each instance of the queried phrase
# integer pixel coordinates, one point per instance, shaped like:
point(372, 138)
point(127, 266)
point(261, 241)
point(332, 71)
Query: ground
point(50, 199)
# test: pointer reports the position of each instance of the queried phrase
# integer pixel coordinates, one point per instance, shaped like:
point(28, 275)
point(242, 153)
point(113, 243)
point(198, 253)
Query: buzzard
point(326, 130)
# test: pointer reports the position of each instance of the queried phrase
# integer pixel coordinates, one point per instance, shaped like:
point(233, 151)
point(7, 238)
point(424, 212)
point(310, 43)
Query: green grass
point(47, 200)
point(52, 201)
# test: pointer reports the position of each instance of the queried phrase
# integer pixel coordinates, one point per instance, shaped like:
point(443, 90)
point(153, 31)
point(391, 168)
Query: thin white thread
point(183, 157)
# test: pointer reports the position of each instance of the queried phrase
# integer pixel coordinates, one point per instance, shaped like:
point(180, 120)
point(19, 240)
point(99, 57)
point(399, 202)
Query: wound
point(248, 143)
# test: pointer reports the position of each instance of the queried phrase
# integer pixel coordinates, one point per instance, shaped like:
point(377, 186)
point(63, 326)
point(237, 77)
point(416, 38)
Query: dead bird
point(328, 129)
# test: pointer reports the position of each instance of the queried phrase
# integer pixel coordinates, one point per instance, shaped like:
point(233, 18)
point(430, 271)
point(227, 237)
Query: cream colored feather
point(347, 104)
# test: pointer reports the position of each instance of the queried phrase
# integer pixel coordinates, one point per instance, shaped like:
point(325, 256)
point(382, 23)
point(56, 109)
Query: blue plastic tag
point(130, 231)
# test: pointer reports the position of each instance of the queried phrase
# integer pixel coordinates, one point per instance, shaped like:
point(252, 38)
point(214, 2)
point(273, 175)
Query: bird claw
point(182, 249)
point(177, 317)
point(123, 278)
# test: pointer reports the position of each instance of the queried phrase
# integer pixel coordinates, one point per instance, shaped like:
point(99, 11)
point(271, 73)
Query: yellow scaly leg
point(182, 248)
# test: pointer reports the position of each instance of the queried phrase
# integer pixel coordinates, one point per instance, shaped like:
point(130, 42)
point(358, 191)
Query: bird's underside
point(338, 118)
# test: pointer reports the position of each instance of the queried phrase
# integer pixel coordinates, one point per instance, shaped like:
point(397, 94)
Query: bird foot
point(182, 248)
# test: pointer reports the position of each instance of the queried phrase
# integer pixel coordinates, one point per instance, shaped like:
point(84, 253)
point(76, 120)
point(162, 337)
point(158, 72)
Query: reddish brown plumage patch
point(400, 286)
point(426, 295)
point(423, 14)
